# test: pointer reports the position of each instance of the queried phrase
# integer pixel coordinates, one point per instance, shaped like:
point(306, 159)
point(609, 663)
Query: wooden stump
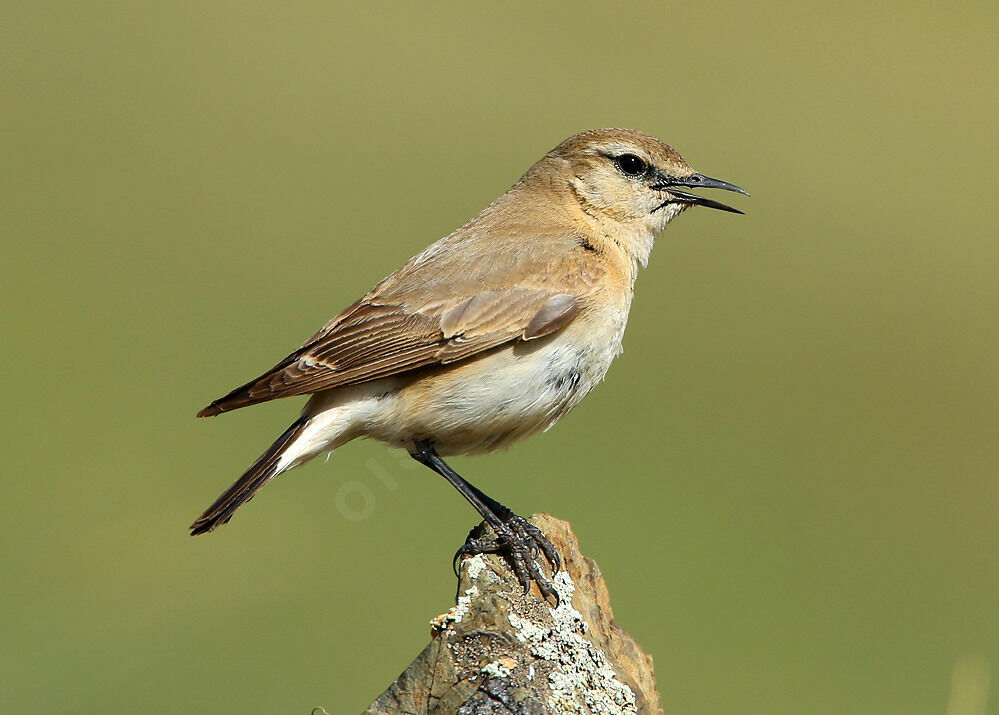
point(500, 651)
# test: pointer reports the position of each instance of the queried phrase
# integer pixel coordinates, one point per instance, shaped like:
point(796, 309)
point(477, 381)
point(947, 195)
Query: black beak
point(665, 182)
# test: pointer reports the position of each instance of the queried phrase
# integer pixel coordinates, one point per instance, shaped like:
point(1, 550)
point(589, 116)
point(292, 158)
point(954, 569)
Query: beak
point(667, 182)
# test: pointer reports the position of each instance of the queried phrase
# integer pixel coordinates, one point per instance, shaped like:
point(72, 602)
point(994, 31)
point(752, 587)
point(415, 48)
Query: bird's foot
point(519, 542)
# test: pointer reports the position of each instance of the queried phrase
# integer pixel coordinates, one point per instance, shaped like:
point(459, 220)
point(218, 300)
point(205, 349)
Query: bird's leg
point(516, 538)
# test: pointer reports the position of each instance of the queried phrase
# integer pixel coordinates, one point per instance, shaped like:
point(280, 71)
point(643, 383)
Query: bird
point(490, 335)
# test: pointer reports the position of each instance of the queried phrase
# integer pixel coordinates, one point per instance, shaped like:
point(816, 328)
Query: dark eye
point(631, 165)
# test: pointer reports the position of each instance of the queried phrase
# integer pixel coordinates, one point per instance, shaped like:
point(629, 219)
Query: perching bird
point(491, 334)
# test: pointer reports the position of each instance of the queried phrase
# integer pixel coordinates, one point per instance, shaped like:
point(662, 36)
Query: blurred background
point(789, 478)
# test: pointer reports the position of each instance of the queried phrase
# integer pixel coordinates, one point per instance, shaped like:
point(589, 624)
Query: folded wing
point(373, 339)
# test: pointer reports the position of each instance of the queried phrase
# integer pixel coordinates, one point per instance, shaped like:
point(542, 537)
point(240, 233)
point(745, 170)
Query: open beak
point(666, 183)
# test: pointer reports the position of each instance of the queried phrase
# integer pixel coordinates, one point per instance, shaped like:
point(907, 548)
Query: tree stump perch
point(500, 651)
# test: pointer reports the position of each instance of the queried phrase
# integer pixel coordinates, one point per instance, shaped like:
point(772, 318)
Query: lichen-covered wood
point(500, 651)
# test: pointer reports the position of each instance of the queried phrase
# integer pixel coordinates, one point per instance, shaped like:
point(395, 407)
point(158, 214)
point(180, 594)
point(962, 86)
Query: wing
point(373, 339)
point(523, 282)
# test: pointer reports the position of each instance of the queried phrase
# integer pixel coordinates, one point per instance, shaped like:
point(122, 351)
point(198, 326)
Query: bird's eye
point(630, 165)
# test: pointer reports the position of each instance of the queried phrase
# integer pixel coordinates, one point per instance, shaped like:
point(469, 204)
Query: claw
point(475, 546)
point(519, 542)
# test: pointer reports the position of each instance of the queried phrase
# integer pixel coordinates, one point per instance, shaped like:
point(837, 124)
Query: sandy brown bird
point(491, 334)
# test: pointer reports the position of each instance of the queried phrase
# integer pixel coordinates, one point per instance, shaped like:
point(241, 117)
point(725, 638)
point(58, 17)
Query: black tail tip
point(204, 525)
point(200, 527)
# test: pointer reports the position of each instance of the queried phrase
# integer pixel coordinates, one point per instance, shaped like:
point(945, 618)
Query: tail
point(260, 472)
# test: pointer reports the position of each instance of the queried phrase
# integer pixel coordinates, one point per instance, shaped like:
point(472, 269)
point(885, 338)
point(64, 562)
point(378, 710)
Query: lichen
point(474, 565)
point(497, 669)
point(582, 675)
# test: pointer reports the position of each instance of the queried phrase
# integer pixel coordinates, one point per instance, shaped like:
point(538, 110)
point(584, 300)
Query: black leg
point(516, 538)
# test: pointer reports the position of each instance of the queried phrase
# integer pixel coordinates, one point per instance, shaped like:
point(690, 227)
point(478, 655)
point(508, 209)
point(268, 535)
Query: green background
point(789, 478)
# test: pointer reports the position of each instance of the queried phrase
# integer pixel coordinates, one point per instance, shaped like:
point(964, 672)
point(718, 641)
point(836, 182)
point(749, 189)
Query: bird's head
point(625, 177)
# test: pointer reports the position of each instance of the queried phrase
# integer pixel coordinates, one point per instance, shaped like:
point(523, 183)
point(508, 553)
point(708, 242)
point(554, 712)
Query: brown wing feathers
point(371, 340)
